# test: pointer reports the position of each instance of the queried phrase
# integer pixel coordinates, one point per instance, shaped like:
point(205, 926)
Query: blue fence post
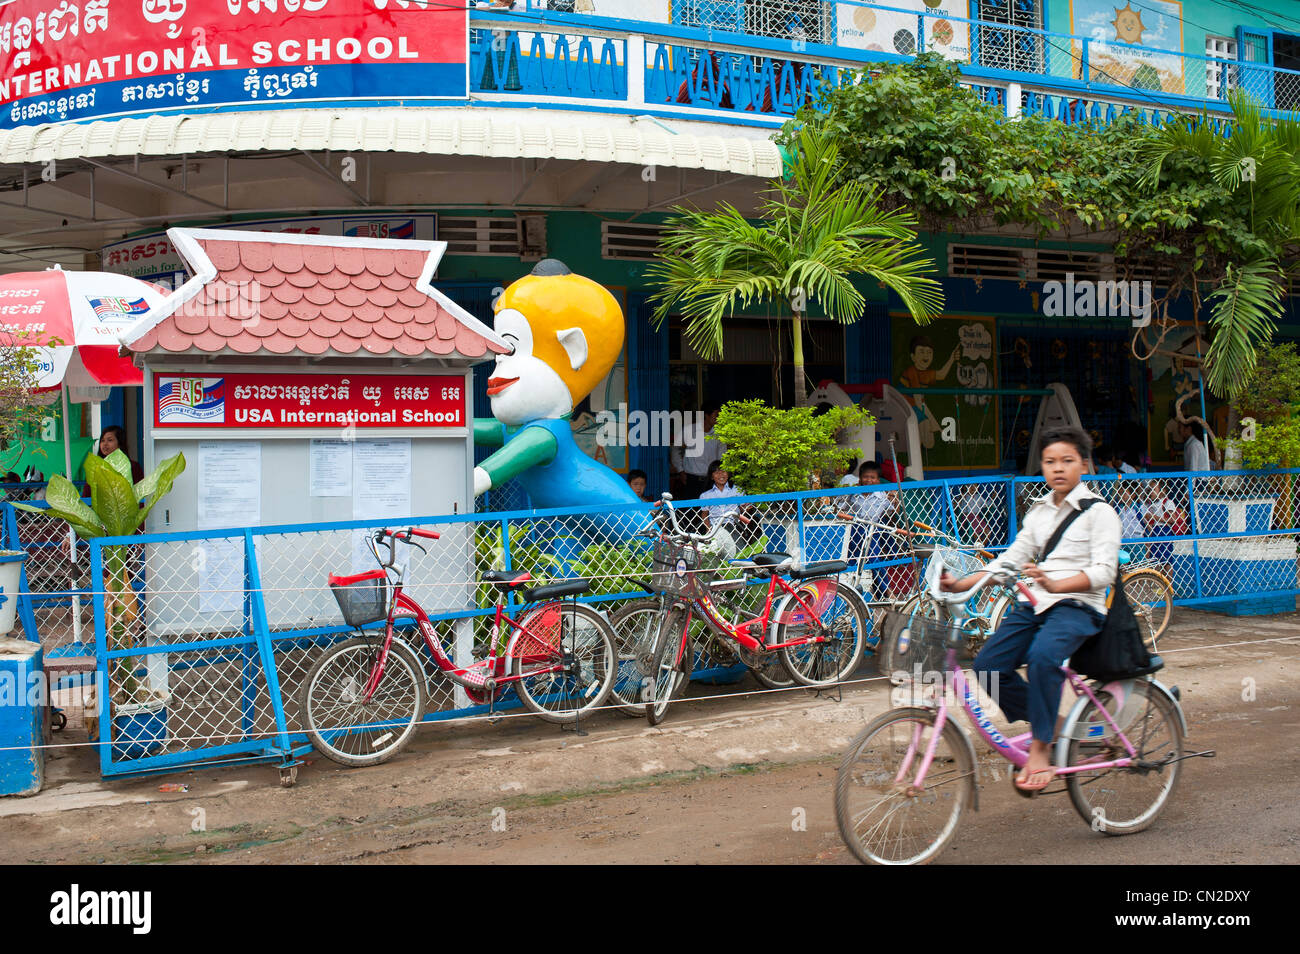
point(798, 516)
point(1011, 510)
point(262, 631)
point(1084, 70)
point(1196, 532)
point(950, 514)
point(102, 701)
point(26, 614)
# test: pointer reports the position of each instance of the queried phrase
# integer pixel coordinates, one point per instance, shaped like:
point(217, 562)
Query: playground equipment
point(1056, 410)
point(894, 421)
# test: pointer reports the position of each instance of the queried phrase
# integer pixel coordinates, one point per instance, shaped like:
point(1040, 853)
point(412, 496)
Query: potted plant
point(136, 689)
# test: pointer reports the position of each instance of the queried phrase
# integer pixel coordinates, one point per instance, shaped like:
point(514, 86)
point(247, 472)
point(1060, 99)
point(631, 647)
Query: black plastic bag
point(1117, 651)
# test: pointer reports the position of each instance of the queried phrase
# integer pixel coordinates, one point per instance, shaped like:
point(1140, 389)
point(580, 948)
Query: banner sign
point(320, 401)
point(66, 60)
point(151, 257)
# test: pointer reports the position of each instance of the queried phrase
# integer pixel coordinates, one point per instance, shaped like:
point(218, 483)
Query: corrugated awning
point(453, 131)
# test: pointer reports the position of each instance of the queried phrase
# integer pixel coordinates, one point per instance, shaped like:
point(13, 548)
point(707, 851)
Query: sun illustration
point(1128, 25)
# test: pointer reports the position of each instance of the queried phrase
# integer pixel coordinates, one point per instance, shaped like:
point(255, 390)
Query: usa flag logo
point(118, 309)
point(385, 230)
point(191, 400)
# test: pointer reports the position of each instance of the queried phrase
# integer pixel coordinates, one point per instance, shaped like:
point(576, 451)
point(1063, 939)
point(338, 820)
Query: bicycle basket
point(362, 602)
point(926, 640)
point(674, 567)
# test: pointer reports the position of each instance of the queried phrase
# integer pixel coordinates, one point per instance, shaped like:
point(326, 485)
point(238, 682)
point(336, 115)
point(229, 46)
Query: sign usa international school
point(78, 59)
point(309, 400)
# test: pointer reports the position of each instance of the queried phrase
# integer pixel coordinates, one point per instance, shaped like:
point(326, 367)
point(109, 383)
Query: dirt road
point(734, 779)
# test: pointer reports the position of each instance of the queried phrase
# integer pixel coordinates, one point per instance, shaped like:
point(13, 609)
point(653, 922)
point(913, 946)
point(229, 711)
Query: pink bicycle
point(908, 776)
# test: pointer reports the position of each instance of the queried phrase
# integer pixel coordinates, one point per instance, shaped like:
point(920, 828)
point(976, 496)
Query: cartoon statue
point(565, 333)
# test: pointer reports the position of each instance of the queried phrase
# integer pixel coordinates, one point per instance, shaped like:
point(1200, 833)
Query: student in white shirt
point(1196, 456)
point(871, 506)
point(1069, 585)
point(724, 516)
point(691, 456)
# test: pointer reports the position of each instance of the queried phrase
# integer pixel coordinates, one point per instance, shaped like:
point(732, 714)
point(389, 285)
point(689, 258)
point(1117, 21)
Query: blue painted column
point(647, 384)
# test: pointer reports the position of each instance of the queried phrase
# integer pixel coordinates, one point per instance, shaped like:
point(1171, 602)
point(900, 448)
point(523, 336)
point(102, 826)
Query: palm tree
point(815, 236)
point(1256, 162)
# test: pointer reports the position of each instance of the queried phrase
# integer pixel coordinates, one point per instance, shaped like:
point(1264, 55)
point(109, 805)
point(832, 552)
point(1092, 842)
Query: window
point(807, 20)
point(1013, 47)
point(810, 20)
point(1219, 77)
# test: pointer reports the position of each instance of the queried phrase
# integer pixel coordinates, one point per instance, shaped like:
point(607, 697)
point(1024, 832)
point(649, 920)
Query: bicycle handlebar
point(666, 502)
point(961, 596)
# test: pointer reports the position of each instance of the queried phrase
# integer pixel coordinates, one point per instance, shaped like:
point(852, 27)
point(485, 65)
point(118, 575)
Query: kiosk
point(306, 379)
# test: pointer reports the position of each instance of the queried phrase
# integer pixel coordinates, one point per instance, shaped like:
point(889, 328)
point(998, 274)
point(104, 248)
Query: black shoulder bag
point(1117, 650)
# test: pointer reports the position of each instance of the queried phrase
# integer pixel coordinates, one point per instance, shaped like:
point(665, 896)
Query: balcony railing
point(554, 57)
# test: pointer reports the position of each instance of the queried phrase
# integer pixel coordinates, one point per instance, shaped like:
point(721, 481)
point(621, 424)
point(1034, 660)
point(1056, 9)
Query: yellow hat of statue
point(555, 300)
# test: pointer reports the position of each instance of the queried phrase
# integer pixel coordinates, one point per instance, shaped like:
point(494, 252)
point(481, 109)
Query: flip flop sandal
point(1036, 790)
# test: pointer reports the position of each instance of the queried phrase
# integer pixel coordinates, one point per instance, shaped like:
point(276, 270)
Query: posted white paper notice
point(381, 487)
point(230, 495)
point(230, 484)
point(221, 575)
point(331, 469)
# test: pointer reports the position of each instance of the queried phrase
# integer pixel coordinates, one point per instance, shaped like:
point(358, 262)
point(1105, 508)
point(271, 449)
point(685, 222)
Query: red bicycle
point(814, 626)
point(364, 697)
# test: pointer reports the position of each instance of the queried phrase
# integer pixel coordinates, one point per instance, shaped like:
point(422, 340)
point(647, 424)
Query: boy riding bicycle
point(1068, 581)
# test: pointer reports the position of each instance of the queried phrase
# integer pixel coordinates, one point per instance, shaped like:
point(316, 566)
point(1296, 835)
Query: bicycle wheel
point(1152, 599)
point(772, 673)
point(565, 666)
point(670, 665)
point(900, 653)
point(840, 616)
point(881, 817)
point(349, 730)
point(635, 627)
point(1121, 801)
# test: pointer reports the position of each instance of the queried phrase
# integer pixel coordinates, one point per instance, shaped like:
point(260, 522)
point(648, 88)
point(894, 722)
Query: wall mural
point(1116, 27)
point(863, 28)
point(957, 431)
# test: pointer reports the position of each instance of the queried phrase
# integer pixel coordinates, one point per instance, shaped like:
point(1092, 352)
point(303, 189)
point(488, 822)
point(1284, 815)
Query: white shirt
point(1126, 468)
point(1090, 545)
point(1130, 519)
point(711, 449)
point(1195, 456)
point(849, 480)
point(871, 504)
point(723, 514)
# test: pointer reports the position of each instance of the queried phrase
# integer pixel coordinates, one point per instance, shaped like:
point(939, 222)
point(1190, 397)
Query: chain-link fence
point(204, 639)
point(56, 579)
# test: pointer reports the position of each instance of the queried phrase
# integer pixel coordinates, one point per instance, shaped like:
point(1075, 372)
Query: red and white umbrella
point(74, 319)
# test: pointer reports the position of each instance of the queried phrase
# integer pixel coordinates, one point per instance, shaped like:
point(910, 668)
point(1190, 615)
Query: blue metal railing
point(1237, 547)
point(555, 53)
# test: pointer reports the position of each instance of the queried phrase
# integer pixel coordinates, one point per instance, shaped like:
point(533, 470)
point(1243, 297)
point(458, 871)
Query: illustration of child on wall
point(922, 375)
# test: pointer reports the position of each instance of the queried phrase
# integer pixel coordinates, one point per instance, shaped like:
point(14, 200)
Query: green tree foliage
point(1271, 398)
point(771, 451)
point(814, 237)
point(18, 408)
point(1216, 213)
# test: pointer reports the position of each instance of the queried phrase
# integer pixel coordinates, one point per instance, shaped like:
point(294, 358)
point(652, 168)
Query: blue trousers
point(1043, 643)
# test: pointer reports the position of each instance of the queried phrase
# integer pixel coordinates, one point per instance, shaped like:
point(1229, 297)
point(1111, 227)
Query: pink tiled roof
point(310, 299)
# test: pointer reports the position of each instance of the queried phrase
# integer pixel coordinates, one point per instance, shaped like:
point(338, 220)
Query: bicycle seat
point(822, 568)
point(507, 578)
point(553, 591)
point(770, 559)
